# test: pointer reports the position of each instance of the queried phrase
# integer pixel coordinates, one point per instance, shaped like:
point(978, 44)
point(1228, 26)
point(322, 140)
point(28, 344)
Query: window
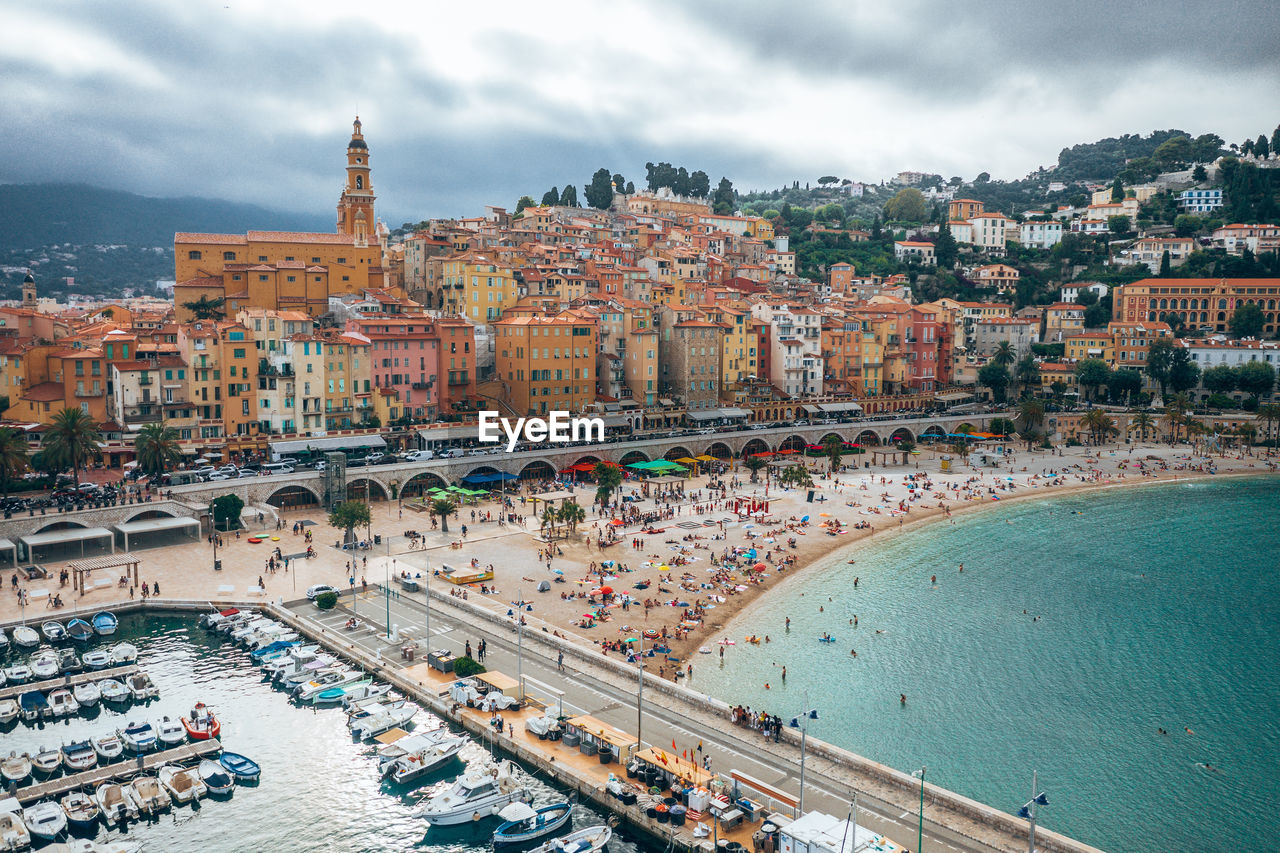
point(193, 255)
point(237, 353)
point(228, 256)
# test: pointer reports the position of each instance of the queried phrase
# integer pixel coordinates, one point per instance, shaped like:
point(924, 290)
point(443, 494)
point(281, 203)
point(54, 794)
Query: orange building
point(547, 363)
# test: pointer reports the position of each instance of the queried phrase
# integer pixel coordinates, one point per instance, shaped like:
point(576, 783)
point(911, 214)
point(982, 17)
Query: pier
point(119, 770)
point(13, 691)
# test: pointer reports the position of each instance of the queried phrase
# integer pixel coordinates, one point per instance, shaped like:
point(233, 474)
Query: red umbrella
point(606, 590)
point(759, 567)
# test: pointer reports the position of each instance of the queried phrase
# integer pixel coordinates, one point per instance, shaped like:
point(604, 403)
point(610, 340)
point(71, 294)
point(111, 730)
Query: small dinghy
point(25, 637)
point(79, 756)
point(79, 630)
point(105, 623)
point(8, 711)
point(33, 705)
point(113, 691)
point(13, 832)
point(87, 694)
point(141, 687)
point(81, 810)
point(16, 768)
point(183, 784)
point(170, 733)
point(19, 673)
point(334, 695)
point(45, 821)
point(53, 631)
point(122, 653)
point(588, 840)
point(69, 661)
point(116, 802)
point(524, 824)
point(216, 778)
point(245, 770)
point(109, 746)
point(202, 724)
point(139, 737)
point(62, 703)
point(44, 665)
point(149, 795)
point(46, 762)
point(96, 659)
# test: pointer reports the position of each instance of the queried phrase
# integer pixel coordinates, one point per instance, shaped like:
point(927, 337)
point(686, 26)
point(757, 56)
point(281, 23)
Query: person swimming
point(902, 699)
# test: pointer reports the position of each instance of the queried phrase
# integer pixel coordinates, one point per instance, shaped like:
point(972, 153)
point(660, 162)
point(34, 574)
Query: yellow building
point(348, 380)
point(547, 363)
point(1084, 345)
point(739, 357)
point(477, 286)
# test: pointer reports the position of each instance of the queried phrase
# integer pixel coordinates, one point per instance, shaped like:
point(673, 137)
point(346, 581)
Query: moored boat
point(334, 695)
point(170, 733)
point(477, 794)
point(105, 623)
point(16, 768)
point(13, 832)
point(244, 769)
point(44, 664)
point(46, 762)
point(53, 631)
point(336, 677)
point(33, 705)
point(149, 795)
point(183, 784)
point(109, 746)
point(140, 686)
point(122, 653)
point(25, 637)
point(96, 659)
point(79, 755)
point(525, 824)
point(202, 724)
point(209, 621)
point(4, 642)
point(79, 630)
point(62, 703)
point(382, 721)
point(81, 810)
point(45, 821)
point(69, 661)
point(355, 694)
point(8, 711)
point(216, 778)
point(87, 694)
point(139, 737)
point(429, 757)
point(116, 802)
point(113, 691)
point(588, 840)
point(19, 673)
point(272, 648)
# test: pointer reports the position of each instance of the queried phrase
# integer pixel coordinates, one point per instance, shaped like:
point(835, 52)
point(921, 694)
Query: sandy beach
point(679, 570)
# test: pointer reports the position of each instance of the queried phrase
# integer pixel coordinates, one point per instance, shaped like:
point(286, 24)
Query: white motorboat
point(216, 778)
point(336, 677)
point(46, 761)
point(116, 802)
point(113, 691)
point(79, 756)
point(96, 659)
point(150, 795)
point(109, 746)
point(62, 703)
point(87, 694)
point(588, 840)
point(170, 733)
point(354, 694)
point(303, 673)
point(210, 621)
point(368, 707)
point(244, 632)
point(16, 768)
point(287, 656)
point(81, 810)
point(274, 634)
point(383, 721)
point(183, 784)
point(122, 653)
point(477, 794)
point(44, 664)
point(419, 762)
point(8, 711)
point(140, 686)
point(139, 737)
point(25, 637)
point(45, 821)
point(19, 673)
point(13, 832)
point(53, 631)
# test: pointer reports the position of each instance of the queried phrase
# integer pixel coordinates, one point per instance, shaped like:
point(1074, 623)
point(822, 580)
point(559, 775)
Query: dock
point(13, 691)
point(119, 770)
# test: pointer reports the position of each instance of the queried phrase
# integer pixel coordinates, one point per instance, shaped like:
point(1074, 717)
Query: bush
point(327, 600)
point(1074, 442)
point(465, 666)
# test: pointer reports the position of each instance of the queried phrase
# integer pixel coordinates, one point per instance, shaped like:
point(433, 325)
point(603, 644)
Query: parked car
point(417, 455)
point(319, 589)
point(374, 457)
point(246, 474)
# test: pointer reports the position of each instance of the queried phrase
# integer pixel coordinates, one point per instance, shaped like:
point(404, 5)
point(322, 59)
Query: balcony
point(144, 380)
point(423, 386)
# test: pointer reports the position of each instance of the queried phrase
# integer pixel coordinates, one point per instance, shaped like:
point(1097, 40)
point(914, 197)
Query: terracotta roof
point(220, 239)
point(45, 392)
point(300, 237)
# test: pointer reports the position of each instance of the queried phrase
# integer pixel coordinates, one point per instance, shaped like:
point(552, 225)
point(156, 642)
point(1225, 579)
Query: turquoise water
point(1158, 608)
point(319, 790)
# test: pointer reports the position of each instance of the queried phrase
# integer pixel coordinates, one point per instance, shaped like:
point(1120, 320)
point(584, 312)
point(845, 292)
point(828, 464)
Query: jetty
point(119, 770)
point(13, 691)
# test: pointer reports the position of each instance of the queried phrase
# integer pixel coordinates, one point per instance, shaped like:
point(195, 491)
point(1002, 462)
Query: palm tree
point(73, 440)
point(1176, 408)
point(157, 448)
point(442, 508)
point(1005, 354)
point(754, 464)
point(13, 455)
point(1030, 414)
point(834, 448)
point(1027, 372)
point(608, 477)
point(1099, 424)
point(1142, 422)
point(571, 514)
point(549, 519)
point(1270, 413)
point(205, 308)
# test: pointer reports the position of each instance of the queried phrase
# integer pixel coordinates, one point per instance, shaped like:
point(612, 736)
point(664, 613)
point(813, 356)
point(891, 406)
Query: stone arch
point(420, 482)
point(677, 452)
point(754, 446)
point(835, 435)
point(902, 434)
point(933, 432)
point(590, 460)
point(141, 515)
point(295, 495)
point(365, 489)
point(538, 469)
point(482, 470)
point(61, 525)
point(793, 442)
point(868, 438)
point(720, 450)
point(631, 457)
point(965, 427)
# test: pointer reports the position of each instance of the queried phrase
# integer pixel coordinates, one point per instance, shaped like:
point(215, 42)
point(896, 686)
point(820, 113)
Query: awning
point(338, 442)
point(719, 414)
point(735, 412)
point(813, 410)
point(451, 433)
point(68, 534)
point(616, 420)
point(839, 408)
point(488, 478)
point(707, 415)
point(154, 525)
point(952, 396)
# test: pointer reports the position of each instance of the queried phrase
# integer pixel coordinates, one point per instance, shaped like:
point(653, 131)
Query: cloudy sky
point(466, 104)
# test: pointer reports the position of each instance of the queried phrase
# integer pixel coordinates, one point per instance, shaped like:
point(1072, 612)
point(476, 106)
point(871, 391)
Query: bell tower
point(29, 292)
point(355, 206)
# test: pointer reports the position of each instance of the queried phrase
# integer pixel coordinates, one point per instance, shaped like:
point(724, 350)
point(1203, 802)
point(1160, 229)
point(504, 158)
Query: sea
point(1080, 629)
point(319, 790)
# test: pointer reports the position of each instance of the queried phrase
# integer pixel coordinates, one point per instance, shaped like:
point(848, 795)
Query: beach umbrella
point(606, 590)
point(759, 567)
point(804, 518)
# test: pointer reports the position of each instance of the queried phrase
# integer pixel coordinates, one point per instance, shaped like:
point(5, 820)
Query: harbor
point(70, 680)
point(184, 754)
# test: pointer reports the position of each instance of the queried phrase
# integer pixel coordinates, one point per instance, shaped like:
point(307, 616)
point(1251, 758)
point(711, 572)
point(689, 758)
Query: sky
point(471, 104)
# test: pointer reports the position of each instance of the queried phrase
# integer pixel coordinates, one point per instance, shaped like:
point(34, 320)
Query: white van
point(417, 455)
point(277, 468)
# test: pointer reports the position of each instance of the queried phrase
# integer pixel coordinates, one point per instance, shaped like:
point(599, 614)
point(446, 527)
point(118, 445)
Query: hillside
point(38, 215)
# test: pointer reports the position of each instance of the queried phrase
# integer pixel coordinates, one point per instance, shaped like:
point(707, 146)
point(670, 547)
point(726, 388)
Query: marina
point(70, 680)
point(121, 770)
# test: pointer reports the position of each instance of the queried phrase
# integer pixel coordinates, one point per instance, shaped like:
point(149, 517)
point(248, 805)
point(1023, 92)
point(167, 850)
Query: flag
point(673, 745)
point(699, 746)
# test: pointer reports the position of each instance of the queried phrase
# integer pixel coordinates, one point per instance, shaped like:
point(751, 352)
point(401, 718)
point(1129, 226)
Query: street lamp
point(521, 606)
point(1028, 811)
point(801, 722)
point(920, 828)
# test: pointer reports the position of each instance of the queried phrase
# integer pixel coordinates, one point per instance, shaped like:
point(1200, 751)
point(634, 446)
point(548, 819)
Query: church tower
point(355, 207)
point(29, 292)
